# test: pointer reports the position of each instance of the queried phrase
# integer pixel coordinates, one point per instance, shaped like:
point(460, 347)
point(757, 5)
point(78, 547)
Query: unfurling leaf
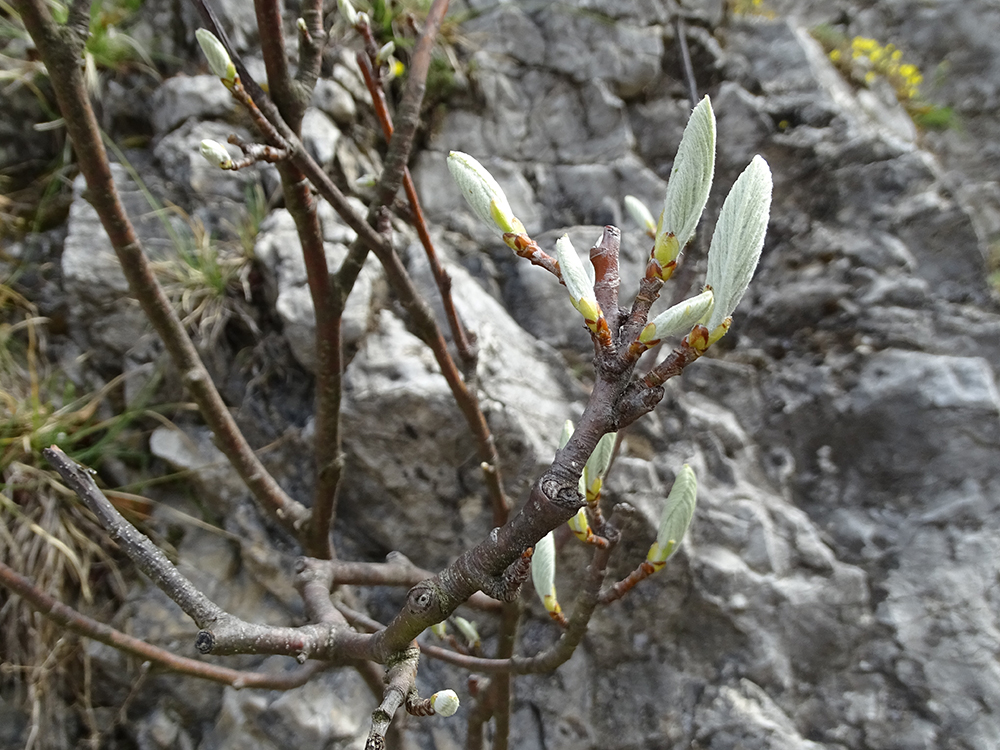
point(597, 466)
point(678, 319)
point(543, 573)
point(468, 630)
point(689, 185)
point(640, 214)
point(737, 242)
point(676, 517)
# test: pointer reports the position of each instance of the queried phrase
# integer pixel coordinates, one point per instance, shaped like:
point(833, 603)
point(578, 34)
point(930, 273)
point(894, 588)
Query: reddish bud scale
point(655, 271)
point(697, 339)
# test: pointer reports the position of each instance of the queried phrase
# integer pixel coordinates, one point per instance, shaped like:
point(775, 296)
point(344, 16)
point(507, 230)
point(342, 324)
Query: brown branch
point(146, 555)
point(649, 292)
point(400, 676)
point(397, 570)
point(76, 622)
point(400, 144)
point(528, 249)
point(604, 256)
point(408, 113)
point(60, 49)
point(221, 632)
point(283, 89)
point(328, 308)
point(312, 40)
point(459, 333)
point(616, 591)
point(500, 685)
point(480, 714)
point(557, 654)
point(673, 365)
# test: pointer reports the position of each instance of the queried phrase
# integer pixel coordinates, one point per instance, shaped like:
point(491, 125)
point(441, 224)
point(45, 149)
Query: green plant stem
point(60, 48)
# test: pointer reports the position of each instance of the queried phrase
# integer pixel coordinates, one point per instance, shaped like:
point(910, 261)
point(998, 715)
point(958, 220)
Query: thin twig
point(67, 617)
point(280, 84)
point(60, 49)
point(221, 632)
point(397, 570)
point(146, 555)
point(500, 685)
point(329, 361)
point(561, 650)
point(312, 40)
point(460, 335)
point(685, 54)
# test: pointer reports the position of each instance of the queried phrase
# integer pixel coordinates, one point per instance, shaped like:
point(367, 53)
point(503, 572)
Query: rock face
point(837, 590)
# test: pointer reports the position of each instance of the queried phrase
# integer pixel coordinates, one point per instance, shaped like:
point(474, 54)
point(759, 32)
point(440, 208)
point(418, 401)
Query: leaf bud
point(680, 318)
point(543, 573)
point(483, 193)
point(347, 11)
point(468, 631)
point(597, 466)
point(385, 52)
point(218, 58)
point(216, 154)
point(445, 702)
point(640, 214)
point(579, 283)
point(580, 526)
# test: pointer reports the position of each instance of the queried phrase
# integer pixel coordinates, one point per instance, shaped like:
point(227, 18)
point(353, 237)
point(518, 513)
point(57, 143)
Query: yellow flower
point(835, 55)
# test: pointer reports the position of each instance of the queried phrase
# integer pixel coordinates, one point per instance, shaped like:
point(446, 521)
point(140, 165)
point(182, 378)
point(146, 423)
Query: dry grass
point(45, 534)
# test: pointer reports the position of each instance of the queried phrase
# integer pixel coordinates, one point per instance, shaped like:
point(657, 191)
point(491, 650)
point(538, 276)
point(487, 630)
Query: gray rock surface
point(280, 255)
point(837, 590)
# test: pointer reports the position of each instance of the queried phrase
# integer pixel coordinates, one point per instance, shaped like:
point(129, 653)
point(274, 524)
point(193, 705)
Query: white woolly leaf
point(680, 318)
point(600, 459)
point(215, 52)
point(467, 629)
point(579, 283)
point(482, 192)
point(738, 239)
point(543, 570)
point(640, 214)
point(690, 180)
point(676, 517)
